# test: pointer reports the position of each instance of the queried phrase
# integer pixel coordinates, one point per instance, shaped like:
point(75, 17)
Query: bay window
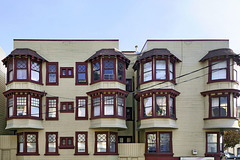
point(51, 143)
point(147, 71)
point(106, 143)
point(35, 71)
point(27, 143)
point(158, 104)
point(81, 108)
point(81, 73)
point(159, 142)
point(109, 104)
point(21, 69)
point(109, 70)
point(81, 145)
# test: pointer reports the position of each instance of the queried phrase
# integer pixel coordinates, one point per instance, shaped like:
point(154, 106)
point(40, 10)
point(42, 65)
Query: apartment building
point(85, 99)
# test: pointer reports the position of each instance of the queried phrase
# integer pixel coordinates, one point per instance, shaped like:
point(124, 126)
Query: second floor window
point(35, 107)
point(161, 69)
point(81, 110)
point(21, 69)
point(96, 106)
point(121, 71)
point(81, 73)
point(10, 72)
point(51, 143)
point(21, 106)
point(52, 108)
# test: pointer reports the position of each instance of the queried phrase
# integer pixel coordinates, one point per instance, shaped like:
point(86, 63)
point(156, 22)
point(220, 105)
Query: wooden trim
point(47, 73)
point(25, 144)
point(67, 107)
point(47, 108)
point(86, 143)
point(86, 108)
point(235, 91)
point(40, 72)
point(40, 106)
point(211, 154)
point(86, 73)
point(114, 68)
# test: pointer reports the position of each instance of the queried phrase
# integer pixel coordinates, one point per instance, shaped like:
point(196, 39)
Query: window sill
point(220, 80)
point(123, 82)
point(81, 118)
point(156, 154)
point(66, 111)
point(66, 76)
point(24, 117)
point(83, 83)
point(220, 118)
point(105, 153)
point(51, 84)
point(27, 154)
point(98, 117)
point(158, 117)
point(40, 83)
point(51, 154)
point(66, 147)
point(213, 154)
point(158, 80)
point(51, 119)
point(79, 154)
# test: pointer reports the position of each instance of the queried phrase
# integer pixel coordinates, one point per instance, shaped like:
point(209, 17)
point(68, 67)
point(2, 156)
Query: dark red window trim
point(86, 73)
point(158, 144)
point(154, 102)
point(211, 154)
point(47, 108)
point(47, 73)
point(15, 70)
point(40, 106)
point(25, 144)
point(86, 108)
point(67, 69)
point(9, 107)
point(46, 147)
point(142, 72)
point(227, 70)
point(107, 144)
point(67, 110)
point(86, 143)
point(228, 105)
point(66, 146)
point(40, 72)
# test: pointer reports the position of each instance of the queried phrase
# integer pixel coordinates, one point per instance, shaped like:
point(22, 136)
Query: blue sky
point(130, 21)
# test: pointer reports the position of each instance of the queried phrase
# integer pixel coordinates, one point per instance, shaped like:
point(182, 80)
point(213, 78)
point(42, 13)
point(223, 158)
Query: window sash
point(121, 70)
point(161, 105)
point(52, 108)
point(10, 107)
point(35, 71)
point(147, 71)
point(81, 142)
point(151, 142)
point(21, 69)
point(96, 106)
point(219, 70)
point(165, 142)
point(52, 143)
point(52, 73)
point(161, 69)
point(219, 106)
point(96, 71)
point(81, 107)
point(147, 107)
point(101, 142)
point(109, 105)
point(21, 106)
point(35, 107)
point(212, 143)
point(120, 106)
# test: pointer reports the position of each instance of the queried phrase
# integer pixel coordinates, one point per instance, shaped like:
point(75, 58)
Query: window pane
point(21, 74)
point(165, 142)
point(161, 107)
point(120, 106)
point(147, 67)
point(96, 71)
point(109, 105)
point(112, 143)
point(34, 75)
point(52, 112)
point(31, 142)
point(81, 107)
point(147, 105)
point(52, 143)
point(81, 143)
point(212, 143)
point(20, 139)
point(219, 74)
point(219, 64)
point(81, 77)
point(120, 71)
point(96, 106)
point(171, 107)
point(151, 142)
point(35, 70)
point(223, 106)
point(101, 143)
point(147, 76)
point(10, 107)
point(52, 77)
point(35, 107)
point(161, 74)
point(147, 71)
point(21, 106)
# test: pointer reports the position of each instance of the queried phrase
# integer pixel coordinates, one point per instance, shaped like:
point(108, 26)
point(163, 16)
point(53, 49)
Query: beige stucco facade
point(191, 91)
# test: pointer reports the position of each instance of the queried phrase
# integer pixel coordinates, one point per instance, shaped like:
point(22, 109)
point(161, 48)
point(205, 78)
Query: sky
point(130, 21)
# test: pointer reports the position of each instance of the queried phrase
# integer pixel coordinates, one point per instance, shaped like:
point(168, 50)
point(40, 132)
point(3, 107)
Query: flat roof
point(65, 40)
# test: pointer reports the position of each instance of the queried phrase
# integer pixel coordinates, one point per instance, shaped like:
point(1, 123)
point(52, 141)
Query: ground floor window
point(51, 143)
point(159, 142)
point(27, 143)
point(214, 143)
point(81, 145)
point(106, 143)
